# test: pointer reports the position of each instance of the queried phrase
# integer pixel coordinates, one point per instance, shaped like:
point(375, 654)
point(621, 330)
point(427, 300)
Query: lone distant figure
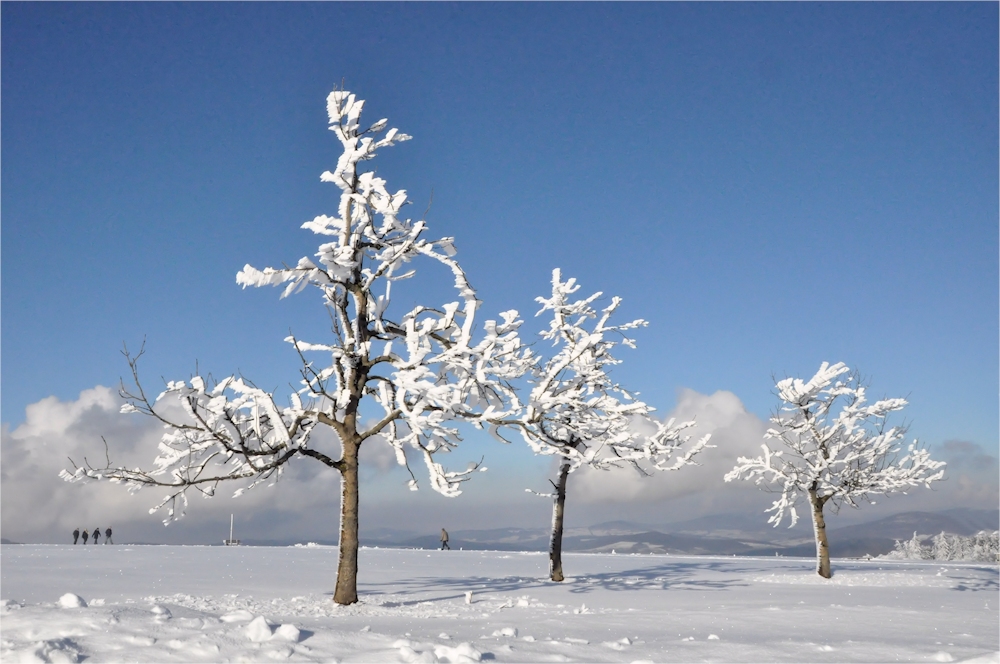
point(76, 535)
point(97, 534)
point(107, 536)
point(85, 536)
point(444, 540)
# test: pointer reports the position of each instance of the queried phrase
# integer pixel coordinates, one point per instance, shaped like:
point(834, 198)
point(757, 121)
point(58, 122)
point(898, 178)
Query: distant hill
point(737, 525)
point(903, 525)
point(496, 539)
point(976, 520)
point(742, 534)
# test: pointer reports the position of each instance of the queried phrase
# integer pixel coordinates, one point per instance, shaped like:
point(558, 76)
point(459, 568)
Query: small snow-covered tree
point(417, 374)
point(578, 414)
point(835, 448)
point(945, 546)
point(911, 549)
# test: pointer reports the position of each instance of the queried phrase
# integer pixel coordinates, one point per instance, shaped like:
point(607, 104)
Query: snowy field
point(216, 604)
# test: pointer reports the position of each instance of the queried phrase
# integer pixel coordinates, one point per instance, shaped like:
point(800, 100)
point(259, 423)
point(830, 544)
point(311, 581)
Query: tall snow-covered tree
point(415, 375)
point(575, 411)
point(834, 448)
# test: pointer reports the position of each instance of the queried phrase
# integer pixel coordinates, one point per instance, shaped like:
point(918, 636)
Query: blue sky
point(769, 185)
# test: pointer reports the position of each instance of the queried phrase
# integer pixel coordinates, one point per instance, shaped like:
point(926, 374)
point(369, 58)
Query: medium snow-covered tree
point(416, 375)
point(835, 448)
point(578, 414)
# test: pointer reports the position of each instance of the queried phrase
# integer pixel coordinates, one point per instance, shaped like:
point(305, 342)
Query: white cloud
point(971, 479)
point(734, 432)
point(37, 506)
point(35, 501)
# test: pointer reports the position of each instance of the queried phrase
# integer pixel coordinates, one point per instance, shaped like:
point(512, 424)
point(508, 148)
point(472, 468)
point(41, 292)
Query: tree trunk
point(558, 507)
point(819, 528)
point(347, 569)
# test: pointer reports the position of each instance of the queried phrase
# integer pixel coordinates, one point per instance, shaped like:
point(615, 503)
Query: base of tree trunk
point(558, 509)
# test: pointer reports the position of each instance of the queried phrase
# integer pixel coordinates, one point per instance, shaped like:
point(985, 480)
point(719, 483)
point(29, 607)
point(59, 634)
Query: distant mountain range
point(719, 534)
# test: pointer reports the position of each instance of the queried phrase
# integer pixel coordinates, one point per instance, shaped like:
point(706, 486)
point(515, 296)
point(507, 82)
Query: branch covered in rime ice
point(576, 411)
point(425, 370)
point(835, 443)
point(229, 431)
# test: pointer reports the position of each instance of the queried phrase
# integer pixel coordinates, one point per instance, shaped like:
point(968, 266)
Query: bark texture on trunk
point(346, 591)
point(819, 528)
point(558, 508)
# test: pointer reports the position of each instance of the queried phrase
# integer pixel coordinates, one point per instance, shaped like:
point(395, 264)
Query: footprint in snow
point(52, 650)
point(620, 644)
point(193, 647)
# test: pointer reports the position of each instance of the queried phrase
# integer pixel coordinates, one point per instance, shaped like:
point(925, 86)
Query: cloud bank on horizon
point(38, 507)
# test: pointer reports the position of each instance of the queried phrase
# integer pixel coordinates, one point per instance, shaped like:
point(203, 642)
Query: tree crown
point(424, 369)
point(836, 444)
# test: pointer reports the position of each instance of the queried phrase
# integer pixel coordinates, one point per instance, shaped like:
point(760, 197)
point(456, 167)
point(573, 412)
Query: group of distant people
point(97, 535)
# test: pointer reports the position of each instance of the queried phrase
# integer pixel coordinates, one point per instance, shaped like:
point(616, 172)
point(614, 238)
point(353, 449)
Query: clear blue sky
point(770, 185)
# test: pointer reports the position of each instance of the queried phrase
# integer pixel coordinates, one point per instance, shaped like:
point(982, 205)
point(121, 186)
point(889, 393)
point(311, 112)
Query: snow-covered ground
point(195, 603)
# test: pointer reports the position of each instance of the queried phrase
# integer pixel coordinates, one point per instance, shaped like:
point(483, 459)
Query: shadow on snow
point(673, 576)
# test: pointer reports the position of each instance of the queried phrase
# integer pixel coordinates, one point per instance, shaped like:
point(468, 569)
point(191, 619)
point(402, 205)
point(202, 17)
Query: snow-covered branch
point(231, 431)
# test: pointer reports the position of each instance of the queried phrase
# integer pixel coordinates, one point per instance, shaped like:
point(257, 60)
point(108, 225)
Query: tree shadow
point(414, 602)
point(977, 585)
point(668, 576)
